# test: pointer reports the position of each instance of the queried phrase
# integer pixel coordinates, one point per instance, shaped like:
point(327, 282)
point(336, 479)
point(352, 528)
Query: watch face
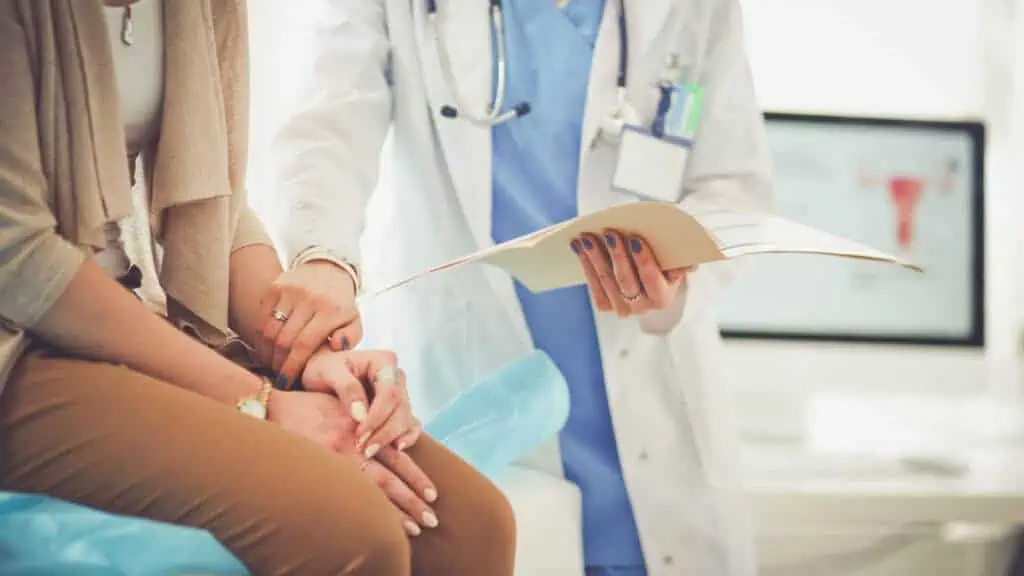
point(253, 407)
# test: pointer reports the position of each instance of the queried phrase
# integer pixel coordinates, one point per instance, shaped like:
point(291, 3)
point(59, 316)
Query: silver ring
point(278, 315)
point(634, 298)
point(387, 375)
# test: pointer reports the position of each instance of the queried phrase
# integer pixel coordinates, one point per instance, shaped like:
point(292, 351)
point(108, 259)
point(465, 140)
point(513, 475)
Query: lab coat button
point(667, 560)
point(623, 353)
point(644, 456)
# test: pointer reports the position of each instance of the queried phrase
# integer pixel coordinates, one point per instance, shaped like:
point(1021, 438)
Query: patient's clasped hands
point(355, 403)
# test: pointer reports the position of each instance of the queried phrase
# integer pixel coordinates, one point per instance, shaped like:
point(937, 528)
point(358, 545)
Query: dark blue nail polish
point(344, 343)
point(587, 243)
point(635, 245)
point(281, 383)
point(575, 245)
point(610, 239)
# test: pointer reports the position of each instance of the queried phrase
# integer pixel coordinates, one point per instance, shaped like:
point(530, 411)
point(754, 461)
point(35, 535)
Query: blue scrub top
point(535, 173)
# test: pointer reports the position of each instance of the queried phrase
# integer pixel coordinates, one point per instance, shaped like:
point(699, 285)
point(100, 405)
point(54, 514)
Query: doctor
point(508, 116)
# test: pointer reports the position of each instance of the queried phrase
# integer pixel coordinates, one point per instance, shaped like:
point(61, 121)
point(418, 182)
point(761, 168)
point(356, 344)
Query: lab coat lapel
point(657, 31)
point(601, 93)
point(465, 30)
point(649, 28)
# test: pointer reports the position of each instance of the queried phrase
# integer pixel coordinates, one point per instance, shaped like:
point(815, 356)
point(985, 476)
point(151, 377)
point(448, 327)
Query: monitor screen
point(910, 188)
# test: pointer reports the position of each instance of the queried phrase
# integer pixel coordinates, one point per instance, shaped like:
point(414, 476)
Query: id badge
point(650, 167)
point(652, 162)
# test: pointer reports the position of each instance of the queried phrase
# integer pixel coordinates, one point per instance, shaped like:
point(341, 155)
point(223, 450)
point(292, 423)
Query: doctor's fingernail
point(610, 239)
point(636, 245)
point(358, 410)
point(430, 495)
point(371, 451)
point(587, 243)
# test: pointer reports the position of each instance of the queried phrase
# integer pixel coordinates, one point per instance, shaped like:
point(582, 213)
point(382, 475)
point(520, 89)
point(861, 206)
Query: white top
point(140, 83)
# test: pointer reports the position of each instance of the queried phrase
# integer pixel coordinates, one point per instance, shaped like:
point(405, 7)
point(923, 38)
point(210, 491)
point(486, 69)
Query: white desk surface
point(990, 492)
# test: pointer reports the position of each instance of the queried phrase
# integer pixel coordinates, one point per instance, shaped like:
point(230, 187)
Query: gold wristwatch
point(256, 405)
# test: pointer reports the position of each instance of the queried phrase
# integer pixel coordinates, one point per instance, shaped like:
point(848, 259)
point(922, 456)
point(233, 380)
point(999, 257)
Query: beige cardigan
point(63, 167)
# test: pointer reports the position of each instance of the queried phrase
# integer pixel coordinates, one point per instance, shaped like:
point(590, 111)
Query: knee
point(365, 540)
point(382, 550)
point(484, 534)
point(337, 533)
point(498, 528)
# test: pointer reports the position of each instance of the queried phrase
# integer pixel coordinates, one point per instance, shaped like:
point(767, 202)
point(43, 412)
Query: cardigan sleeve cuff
point(36, 277)
point(249, 231)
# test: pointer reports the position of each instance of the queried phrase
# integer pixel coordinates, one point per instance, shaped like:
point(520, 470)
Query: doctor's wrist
point(665, 320)
point(321, 254)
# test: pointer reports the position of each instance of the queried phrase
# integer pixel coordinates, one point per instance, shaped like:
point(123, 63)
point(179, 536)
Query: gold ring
point(278, 315)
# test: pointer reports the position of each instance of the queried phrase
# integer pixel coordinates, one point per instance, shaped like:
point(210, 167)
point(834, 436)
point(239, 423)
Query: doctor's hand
point(306, 307)
point(623, 275)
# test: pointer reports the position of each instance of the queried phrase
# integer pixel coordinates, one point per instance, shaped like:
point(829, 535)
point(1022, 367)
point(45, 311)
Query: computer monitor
point(908, 187)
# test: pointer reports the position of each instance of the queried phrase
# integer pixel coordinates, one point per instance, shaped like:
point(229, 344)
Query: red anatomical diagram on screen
point(905, 192)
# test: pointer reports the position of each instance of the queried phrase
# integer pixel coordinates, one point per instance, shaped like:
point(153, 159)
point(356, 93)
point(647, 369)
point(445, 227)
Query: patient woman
point(130, 404)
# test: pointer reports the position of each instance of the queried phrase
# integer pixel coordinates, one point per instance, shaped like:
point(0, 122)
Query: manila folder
point(544, 260)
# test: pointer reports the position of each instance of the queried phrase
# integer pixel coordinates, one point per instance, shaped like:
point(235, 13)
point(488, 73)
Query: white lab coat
point(373, 67)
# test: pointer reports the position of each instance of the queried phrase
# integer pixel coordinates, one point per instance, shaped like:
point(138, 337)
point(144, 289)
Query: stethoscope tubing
point(494, 115)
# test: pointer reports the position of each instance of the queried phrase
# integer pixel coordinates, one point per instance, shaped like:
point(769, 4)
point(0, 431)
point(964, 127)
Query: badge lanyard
point(652, 159)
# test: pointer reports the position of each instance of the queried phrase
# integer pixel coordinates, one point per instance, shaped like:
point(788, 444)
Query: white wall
point(906, 58)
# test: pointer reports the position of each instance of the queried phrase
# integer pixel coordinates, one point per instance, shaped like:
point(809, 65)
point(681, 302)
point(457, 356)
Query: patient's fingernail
point(587, 243)
point(358, 410)
point(411, 528)
point(636, 245)
point(610, 239)
point(430, 495)
point(430, 520)
point(344, 343)
point(372, 451)
point(575, 245)
point(281, 383)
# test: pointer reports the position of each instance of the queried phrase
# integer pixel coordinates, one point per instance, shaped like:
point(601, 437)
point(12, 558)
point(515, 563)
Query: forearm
point(96, 318)
point(253, 269)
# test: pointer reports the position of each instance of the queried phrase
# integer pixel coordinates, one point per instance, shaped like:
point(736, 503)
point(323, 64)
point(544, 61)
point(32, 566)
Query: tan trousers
point(113, 439)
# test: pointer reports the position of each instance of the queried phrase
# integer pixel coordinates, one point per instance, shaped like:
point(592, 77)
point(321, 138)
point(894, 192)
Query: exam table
point(548, 527)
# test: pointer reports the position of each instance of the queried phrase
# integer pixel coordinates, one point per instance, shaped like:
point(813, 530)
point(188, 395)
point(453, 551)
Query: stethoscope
point(494, 114)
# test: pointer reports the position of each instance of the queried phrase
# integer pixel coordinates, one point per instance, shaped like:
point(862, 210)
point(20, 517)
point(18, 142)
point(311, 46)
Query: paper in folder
point(544, 261)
